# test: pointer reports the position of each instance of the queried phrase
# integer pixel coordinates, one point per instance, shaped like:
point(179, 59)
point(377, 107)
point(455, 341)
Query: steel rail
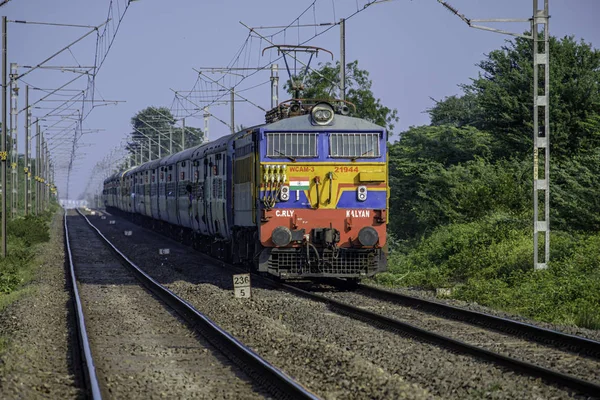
point(535, 333)
point(91, 378)
point(273, 379)
point(396, 326)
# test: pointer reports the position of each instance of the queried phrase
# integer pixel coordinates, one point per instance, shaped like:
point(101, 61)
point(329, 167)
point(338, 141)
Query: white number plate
point(112, 222)
point(241, 286)
point(164, 251)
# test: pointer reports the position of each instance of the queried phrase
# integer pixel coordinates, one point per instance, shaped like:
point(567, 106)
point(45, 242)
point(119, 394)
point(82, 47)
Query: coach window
point(354, 145)
point(291, 144)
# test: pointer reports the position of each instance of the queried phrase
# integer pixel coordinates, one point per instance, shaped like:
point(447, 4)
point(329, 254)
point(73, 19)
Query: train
point(304, 195)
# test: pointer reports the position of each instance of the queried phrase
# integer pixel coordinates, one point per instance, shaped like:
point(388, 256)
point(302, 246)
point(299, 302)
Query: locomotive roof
point(340, 122)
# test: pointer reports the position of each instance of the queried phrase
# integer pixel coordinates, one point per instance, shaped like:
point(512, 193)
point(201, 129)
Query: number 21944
point(346, 169)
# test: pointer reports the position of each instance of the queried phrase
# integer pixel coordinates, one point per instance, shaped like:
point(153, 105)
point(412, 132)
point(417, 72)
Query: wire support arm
point(61, 50)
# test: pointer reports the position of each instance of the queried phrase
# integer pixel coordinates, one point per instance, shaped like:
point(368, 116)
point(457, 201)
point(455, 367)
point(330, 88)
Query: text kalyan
point(349, 213)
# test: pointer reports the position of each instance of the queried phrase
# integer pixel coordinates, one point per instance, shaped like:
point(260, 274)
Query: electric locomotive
point(303, 196)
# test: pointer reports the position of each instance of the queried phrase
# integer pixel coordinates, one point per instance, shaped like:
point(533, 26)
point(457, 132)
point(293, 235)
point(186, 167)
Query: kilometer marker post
point(241, 286)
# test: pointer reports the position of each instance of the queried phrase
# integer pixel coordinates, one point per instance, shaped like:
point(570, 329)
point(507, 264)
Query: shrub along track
point(332, 354)
point(141, 349)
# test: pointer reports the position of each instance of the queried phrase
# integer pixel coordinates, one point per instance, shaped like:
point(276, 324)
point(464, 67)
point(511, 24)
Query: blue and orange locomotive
point(304, 195)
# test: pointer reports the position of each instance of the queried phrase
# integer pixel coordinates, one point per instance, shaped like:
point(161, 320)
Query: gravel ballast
point(586, 368)
point(37, 360)
point(431, 295)
point(141, 349)
point(334, 356)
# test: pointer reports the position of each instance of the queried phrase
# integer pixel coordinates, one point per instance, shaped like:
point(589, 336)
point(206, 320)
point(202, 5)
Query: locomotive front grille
point(343, 263)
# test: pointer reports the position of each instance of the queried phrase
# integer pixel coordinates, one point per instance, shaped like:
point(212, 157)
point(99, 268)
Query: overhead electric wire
point(248, 39)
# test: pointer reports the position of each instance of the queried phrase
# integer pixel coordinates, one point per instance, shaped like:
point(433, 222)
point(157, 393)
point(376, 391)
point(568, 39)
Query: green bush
point(490, 262)
point(453, 253)
point(23, 235)
point(31, 229)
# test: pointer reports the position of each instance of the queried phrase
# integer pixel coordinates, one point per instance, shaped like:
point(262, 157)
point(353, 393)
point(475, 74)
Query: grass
point(490, 262)
point(18, 268)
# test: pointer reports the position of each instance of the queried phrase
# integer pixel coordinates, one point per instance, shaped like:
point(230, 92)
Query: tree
point(500, 99)
point(193, 136)
point(455, 110)
point(575, 195)
point(156, 125)
point(152, 126)
point(475, 157)
point(421, 154)
point(446, 144)
point(324, 84)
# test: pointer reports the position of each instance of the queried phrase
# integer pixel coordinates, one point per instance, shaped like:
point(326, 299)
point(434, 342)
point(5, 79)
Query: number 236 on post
point(241, 286)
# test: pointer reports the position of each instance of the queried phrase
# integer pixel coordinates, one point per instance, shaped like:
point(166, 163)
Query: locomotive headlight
point(281, 236)
point(368, 236)
point(284, 194)
point(361, 193)
point(322, 113)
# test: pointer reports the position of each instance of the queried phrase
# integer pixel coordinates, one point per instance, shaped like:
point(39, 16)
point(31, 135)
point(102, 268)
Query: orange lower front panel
point(348, 222)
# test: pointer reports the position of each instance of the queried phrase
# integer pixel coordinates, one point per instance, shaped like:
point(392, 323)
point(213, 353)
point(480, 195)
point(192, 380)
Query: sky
point(415, 51)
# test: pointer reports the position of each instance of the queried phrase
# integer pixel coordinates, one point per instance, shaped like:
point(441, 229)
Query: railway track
point(470, 333)
point(87, 366)
point(576, 344)
point(388, 318)
point(131, 336)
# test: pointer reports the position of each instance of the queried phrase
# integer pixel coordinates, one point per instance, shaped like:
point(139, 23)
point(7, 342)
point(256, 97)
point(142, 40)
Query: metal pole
point(30, 169)
point(159, 145)
point(149, 149)
point(14, 153)
point(42, 172)
point(183, 134)
point(26, 159)
point(232, 101)
point(170, 140)
point(37, 171)
point(47, 177)
point(342, 59)
point(541, 135)
point(3, 156)
point(206, 116)
point(274, 85)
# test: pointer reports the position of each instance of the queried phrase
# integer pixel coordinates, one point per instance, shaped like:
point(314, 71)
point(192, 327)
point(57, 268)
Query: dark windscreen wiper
point(286, 156)
point(362, 155)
